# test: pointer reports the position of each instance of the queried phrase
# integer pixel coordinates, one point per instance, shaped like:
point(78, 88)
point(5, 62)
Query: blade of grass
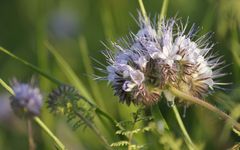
point(49, 133)
point(43, 62)
point(142, 8)
point(89, 70)
point(183, 129)
point(8, 88)
point(235, 46)
point(163, 10)
point(31, 66)
point(107, 21)
point(67, 70)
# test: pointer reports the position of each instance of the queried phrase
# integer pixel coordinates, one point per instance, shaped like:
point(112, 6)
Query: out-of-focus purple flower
point(27, 99)
point(63, 24)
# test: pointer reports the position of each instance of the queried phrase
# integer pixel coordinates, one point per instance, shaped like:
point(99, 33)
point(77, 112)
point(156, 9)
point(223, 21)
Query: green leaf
point(158, 117)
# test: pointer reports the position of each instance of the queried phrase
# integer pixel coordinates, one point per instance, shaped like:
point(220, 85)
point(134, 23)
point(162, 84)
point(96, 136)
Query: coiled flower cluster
point(158, 56)
point(63, 99)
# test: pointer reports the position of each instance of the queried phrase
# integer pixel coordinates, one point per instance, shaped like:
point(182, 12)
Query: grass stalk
point(188, 140)
point(163, 10)
point(49, 133)
point(89, 70)
point(31, 66)
point(144, 13)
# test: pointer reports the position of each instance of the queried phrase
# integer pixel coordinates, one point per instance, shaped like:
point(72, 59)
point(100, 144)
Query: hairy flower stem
point(188, 140)
point(205, 104)
point(36, 119)
point(45, 128)
point(32, 145)
point(94, 129)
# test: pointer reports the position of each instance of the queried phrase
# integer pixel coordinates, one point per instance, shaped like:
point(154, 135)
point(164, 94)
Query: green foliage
point(129, 129)
point(169, 142)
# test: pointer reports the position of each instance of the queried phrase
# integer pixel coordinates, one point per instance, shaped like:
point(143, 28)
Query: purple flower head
point(27, 99)
point(162, 55)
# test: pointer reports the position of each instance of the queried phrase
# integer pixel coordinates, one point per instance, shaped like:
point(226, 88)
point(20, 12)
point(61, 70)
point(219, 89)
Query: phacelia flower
point(162, 55)
point(27, 99)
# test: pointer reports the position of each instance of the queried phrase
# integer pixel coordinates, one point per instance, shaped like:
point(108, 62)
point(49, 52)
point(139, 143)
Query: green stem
point(94, 129)
point(164, 9)
point(130, 137)
point(162, 14)
point(30, 66)
point(7, 87)
point(143, 10)
point(89, 70)
point(45, 128)
point(130, 141)
point(188, 140)
point(31, 143)
point(205, 104)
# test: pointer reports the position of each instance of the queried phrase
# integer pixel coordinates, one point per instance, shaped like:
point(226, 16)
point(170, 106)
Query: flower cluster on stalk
point(160, 55)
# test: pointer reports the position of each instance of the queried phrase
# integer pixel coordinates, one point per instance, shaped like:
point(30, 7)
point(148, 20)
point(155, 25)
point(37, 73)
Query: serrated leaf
point(119, 143)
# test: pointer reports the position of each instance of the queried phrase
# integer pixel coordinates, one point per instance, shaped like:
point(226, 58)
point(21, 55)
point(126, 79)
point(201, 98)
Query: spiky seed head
point(27, 100)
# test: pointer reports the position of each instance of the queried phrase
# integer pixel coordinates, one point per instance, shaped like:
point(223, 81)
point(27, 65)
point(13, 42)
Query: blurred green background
point(76, 28)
